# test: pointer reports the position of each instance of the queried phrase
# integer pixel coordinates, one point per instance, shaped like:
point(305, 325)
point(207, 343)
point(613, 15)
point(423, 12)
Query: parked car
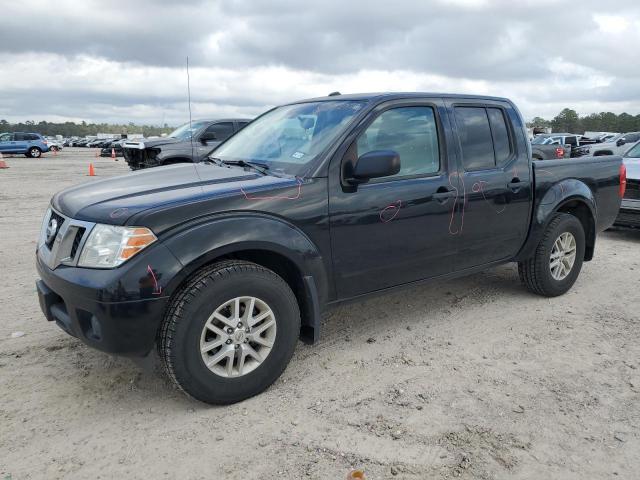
point(55, 145)
point(116, 146)
point(629, 215)
point(223, 264)
point(615, 146)
point(178, 147)
point(30, 144)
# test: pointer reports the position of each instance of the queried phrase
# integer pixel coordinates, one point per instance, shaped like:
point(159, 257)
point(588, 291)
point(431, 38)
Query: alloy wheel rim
point(238, 336)
point(563, 256)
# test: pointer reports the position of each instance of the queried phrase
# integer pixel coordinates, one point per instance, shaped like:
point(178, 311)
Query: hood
point(149, 143)
point(114, 200)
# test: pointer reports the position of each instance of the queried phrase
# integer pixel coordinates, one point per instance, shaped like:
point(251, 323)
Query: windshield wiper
point(259, 167)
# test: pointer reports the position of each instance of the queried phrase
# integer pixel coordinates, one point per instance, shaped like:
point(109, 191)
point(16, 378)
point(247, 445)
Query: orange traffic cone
point(356, 475)
point(92, 172)
point(113, 154)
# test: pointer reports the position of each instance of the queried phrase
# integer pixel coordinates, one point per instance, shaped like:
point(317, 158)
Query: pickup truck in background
point(615, 146)
point(223, 264)
point(189, 143)
point(629, 214)
point(558, 145)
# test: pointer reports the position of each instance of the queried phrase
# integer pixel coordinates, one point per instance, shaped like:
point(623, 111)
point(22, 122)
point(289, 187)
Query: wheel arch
point(572, 197)
point(273, 244)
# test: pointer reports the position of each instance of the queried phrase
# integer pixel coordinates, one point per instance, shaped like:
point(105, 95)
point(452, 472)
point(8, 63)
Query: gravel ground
point(471, 378)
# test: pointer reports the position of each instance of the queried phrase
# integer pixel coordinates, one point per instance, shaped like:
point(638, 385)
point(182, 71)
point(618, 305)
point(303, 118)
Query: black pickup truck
point(224, 264)
point(191, 142)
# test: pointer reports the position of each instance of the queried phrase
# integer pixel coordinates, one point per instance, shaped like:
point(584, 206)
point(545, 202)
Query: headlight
point(109, 246)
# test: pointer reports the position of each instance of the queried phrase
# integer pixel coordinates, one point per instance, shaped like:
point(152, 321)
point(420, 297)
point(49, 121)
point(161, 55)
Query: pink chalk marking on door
point(455, 203)
point(249, 196)
point(390, 212)
point(478, 187)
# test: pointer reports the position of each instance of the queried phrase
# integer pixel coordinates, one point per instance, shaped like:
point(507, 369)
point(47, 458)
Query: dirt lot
point(472, 378)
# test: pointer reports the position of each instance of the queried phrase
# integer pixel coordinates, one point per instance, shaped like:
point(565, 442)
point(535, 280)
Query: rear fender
point(570, 196)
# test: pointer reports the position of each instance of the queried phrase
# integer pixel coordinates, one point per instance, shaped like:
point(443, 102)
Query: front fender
point(200, 244)
point(554, 198)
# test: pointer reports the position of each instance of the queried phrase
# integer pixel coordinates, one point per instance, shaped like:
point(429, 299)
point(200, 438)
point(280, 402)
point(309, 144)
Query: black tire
point(188, 312)
point(34, 152)
point(535, 272)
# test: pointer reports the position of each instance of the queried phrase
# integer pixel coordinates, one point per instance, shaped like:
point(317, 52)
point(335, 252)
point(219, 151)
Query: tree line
point(569, 121)
point(83, 129)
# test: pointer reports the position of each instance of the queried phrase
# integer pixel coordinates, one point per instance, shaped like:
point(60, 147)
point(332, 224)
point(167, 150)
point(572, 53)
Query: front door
point(5, 142)
point(396, 229)
point(495, 181)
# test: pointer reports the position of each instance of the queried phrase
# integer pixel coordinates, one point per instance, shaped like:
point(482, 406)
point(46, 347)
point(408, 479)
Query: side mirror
point(621, 141)
point(207, 136)
point(375, 164)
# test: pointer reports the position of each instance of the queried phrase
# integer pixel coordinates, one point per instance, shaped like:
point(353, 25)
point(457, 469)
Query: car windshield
point(290, 137)
point(540, 140)
point(633, 152)
point(185, 131)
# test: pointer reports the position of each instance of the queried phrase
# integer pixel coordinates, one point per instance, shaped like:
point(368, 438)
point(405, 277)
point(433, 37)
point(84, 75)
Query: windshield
point(540, 140)
point(288, 138)
point(185, 131)
point(633, 152)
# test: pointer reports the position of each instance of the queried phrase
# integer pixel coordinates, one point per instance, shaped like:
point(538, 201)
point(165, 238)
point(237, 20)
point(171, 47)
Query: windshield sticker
point(297, 154)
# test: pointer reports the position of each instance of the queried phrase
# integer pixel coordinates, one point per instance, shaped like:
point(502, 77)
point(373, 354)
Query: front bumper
point(117, 311)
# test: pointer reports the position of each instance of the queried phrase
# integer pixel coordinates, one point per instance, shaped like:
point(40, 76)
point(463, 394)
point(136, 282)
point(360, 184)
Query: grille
point(633, 190)
point(76, 242)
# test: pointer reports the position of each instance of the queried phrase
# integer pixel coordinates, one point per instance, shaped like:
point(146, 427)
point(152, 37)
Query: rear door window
point(500, 135)
point(484, 136)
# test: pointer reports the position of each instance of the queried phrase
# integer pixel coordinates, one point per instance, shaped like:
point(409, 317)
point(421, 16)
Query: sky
point(125, 61)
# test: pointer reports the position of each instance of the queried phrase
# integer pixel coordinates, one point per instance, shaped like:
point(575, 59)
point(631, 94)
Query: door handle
point(442, 195)
point(516, 184)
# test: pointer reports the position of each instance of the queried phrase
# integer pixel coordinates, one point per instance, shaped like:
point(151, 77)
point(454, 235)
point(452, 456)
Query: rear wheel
point(34, 152)
point(557, 261)
point(230, 332)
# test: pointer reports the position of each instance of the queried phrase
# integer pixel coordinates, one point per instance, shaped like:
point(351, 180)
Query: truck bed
point(595, 177)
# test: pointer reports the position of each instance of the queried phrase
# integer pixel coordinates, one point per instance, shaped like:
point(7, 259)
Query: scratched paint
point(390, 212)
point(157, 289)
point(249, 196)
point(119, 212)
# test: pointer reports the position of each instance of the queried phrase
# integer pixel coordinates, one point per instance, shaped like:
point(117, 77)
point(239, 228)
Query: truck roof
point(379, 96)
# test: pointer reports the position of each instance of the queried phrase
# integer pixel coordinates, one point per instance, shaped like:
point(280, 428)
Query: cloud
point(125, 61)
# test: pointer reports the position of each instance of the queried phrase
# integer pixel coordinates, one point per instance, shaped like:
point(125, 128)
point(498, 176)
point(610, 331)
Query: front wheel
point(556, 263)
point(35, 152)
point(230, 332)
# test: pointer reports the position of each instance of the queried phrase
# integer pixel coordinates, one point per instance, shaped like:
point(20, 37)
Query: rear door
point(393, 230)
point(19, 144)
point(495, 180)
